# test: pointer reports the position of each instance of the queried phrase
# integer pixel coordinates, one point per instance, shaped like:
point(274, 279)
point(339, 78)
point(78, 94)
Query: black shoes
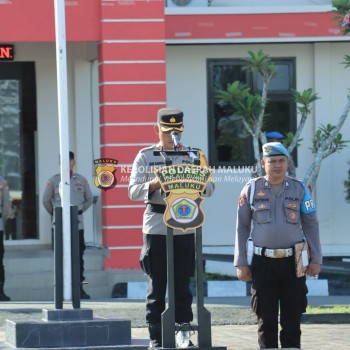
point(83, 294)
point(3, 296)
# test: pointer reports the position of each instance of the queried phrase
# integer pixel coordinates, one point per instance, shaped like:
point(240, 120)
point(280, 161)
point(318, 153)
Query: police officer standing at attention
point(275, 136)
point(144, 186)
point(80, 196)
point(4, 211)
point(276, 212)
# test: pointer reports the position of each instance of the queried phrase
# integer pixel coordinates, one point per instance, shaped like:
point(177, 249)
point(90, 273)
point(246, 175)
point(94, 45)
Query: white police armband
point(307, 204)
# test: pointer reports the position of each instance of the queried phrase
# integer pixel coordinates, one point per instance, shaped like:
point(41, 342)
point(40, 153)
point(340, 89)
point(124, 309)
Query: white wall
point(81, 119)
point(317, 65)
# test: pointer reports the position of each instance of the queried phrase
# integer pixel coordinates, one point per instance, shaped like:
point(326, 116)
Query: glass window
point(229, 142)
point(17, 146)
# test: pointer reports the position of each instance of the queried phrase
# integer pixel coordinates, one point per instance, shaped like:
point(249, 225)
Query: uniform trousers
point(276, 289)
point(2, 270)
point(153, 261)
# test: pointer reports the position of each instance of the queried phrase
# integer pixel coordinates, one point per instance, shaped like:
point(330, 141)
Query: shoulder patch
point(242, 200)
point(307, 204)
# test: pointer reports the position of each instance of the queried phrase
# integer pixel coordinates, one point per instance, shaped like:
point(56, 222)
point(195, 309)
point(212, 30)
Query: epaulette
point(147, 148)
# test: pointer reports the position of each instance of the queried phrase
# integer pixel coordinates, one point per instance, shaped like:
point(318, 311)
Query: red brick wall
point(132, 89)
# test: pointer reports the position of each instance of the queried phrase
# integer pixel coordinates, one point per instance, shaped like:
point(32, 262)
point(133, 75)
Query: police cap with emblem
point(272, 149)
point(170, 119)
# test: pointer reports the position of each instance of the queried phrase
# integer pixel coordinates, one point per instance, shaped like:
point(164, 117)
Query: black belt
point(156, 208)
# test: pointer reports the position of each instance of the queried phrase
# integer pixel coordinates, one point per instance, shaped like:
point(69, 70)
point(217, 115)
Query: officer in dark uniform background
point(276, 212)
point(4, 212)
point(144, 186)
point(80, 196)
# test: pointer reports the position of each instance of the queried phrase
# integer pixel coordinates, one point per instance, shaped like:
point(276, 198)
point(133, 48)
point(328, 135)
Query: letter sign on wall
point(6, 52)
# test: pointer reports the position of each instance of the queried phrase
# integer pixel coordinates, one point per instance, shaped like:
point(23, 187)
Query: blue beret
point(274, 135)
point(271, 149)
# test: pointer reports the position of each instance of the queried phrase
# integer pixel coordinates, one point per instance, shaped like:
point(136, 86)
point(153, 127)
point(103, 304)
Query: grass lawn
point(330, 309)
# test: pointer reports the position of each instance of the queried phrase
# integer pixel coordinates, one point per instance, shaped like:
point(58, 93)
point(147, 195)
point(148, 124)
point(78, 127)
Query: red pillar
point(132, 89)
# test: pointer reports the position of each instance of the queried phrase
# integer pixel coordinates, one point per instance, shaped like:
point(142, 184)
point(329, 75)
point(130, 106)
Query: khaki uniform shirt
point(4, 202)
point(80, 195)
point(142, 174)
point(276, 221)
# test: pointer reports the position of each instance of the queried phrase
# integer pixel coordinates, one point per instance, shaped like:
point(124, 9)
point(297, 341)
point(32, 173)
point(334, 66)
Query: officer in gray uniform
point(144, 186)
point(4, 212)
point(276, 212)
point(80, 196)
point(275, 136)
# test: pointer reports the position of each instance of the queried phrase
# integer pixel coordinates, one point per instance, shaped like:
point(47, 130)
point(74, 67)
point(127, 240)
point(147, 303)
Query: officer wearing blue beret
point(275, 136)
point(275, 213)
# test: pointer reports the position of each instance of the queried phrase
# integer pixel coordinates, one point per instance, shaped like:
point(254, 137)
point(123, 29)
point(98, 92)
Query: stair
point(30, 274)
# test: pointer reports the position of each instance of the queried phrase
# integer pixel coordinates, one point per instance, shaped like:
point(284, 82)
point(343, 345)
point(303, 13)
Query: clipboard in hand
point(302, 257)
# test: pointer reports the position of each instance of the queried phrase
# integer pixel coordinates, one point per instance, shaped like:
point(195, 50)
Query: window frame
point(251, 81)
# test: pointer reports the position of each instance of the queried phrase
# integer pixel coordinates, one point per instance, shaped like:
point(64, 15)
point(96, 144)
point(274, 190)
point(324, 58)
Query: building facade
point(128, 58)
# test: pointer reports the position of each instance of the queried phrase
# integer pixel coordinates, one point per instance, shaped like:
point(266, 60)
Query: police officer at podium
point(144, 186)
point(80, 196)
point(276, 212)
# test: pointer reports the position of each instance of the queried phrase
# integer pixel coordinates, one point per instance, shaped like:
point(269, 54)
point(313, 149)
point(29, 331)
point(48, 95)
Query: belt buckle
point(279, 253)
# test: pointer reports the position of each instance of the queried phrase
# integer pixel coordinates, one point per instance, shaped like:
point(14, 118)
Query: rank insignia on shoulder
point(261, 193)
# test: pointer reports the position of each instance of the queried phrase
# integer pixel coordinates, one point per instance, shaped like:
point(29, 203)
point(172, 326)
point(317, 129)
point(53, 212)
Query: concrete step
point(43, 260)
point(30, 274)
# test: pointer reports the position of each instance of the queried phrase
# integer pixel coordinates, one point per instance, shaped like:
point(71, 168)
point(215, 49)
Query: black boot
point(83, 294)
point(155, 335)
point(3, 296)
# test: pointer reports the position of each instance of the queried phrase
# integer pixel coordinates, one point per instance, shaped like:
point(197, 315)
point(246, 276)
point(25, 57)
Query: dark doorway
point(18, 127)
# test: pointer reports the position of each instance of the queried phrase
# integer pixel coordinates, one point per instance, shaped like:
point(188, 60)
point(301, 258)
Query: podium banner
point(184, 185)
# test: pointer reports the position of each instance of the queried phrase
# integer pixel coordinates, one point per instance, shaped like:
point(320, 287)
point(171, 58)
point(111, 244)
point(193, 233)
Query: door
point(18, 125)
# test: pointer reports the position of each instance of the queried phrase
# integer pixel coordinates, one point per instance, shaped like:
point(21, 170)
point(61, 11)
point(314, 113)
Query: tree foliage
point(342, 14)
point(251, 109)
point(347, 186)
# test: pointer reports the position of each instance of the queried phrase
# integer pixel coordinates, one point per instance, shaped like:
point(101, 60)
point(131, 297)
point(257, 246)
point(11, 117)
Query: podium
point(184, 185)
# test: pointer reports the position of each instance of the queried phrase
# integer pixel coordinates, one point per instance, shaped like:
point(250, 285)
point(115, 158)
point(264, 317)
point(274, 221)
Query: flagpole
point(63, 122)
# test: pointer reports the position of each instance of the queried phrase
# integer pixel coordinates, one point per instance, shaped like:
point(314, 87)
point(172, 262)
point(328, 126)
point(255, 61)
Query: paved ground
point(233, 325)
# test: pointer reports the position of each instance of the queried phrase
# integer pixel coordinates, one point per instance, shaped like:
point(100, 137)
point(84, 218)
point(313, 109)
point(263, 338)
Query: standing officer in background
point(4, 211)
point(277, 212)
point(80, 196)
point(144, 186)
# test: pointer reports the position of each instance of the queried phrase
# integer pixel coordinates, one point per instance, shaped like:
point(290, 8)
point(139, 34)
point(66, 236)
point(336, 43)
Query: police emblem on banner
point(184, 183)
point(105, 173)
